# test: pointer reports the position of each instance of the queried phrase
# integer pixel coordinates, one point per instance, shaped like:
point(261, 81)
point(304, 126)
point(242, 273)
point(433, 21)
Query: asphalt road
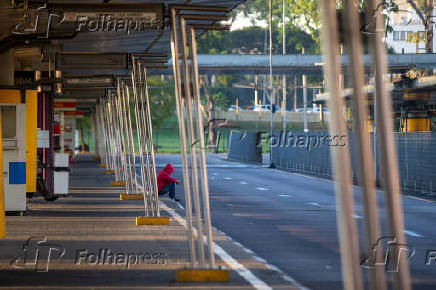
point(290, 220)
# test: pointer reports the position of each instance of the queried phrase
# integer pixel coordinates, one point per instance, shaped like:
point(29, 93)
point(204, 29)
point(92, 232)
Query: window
point(396, 35)
point(403, 36)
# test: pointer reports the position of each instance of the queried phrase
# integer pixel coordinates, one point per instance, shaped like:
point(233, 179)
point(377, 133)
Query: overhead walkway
point(83, 232)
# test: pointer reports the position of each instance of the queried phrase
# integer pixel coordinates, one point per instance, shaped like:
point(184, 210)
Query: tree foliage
point(302, 14)
point(161, 94)
point(424, 10)
point(251, 40)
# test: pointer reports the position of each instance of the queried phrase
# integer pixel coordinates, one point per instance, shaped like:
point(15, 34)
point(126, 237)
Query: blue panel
point(17, 172)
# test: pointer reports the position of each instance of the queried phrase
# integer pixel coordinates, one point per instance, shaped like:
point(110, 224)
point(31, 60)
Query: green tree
point(251, 40)
point(302, 14)
point(424, 10)
point(162, 102)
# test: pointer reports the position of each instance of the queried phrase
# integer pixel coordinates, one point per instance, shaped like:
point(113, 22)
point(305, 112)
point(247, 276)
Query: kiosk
point(14, 156)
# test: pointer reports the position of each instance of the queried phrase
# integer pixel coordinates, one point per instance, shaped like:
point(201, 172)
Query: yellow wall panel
point(10, 96)
point(2, 196)
point(417, 124)
point(31, 123)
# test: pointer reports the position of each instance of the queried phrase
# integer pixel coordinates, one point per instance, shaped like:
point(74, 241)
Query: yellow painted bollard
point(118, 183)
point(131, 196)
point(202, 275)
point(152, 221)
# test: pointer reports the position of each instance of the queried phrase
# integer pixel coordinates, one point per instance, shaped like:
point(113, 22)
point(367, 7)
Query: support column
point(45, 122)
point(6, 79)
point(7, 74)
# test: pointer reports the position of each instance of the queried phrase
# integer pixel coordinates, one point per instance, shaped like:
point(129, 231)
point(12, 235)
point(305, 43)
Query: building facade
point(408, 32)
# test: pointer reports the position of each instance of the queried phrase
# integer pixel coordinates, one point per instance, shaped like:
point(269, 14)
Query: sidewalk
point(89, 240)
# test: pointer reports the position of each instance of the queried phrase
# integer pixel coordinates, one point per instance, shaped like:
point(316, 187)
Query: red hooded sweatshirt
point(164, 178)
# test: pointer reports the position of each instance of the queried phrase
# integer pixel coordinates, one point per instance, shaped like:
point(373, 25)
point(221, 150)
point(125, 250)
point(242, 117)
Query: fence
point(310, 153)
point(243, 146)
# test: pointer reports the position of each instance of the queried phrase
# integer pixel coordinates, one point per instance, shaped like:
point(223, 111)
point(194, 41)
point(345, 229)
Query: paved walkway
point(89, 240)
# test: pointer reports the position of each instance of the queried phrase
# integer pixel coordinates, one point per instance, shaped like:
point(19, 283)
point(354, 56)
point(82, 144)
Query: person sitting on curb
point(166, 183)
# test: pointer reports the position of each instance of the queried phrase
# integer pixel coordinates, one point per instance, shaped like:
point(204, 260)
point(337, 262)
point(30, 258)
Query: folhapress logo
point(391, 258)
point(37, 254)
point(106, 257)
point(46, 21)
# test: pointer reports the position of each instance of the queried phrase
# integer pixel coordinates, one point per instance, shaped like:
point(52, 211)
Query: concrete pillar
point(45, 122)
point(7, 60)
point(6, 79)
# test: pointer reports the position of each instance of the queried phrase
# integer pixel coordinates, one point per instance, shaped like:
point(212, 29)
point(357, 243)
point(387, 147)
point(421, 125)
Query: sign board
point(42, 138)
point(24, 79)
point(64, 106)
point(91, 81)
point(62, 19)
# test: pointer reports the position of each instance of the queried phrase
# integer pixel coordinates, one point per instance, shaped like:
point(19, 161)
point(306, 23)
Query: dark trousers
point(170, 188)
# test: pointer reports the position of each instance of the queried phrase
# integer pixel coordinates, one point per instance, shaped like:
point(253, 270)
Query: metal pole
point(123, 145)
point(388, 150)
point(271, 162)
point(131, 141)
point(374, 126)
point(284, 52)
point(192, 141)
point(295, 92)
point(182, 133)
point(140, 135)
point(363, 146)
point(255, 91)
point(348, 238)
point(304, 83)
point(200, 133)
point(153, 185)
point(126, 134)
point(148, 171)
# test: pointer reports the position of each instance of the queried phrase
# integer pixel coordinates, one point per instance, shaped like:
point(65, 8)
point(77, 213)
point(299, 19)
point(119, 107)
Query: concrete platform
point(89, 240)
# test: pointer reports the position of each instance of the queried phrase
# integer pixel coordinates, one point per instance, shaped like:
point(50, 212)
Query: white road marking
point(261, 260)
point(229, 260)
point(243, 182)
point(284, 195)
point(417, 198)
point(315, 204)
point(412, 234)
point(213, 178)
point(215, 173)
point(228, 178)
point(357, 216)
point(261, 188)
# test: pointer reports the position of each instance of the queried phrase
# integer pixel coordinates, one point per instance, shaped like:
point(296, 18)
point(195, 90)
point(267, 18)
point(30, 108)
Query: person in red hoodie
point(165, 183)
